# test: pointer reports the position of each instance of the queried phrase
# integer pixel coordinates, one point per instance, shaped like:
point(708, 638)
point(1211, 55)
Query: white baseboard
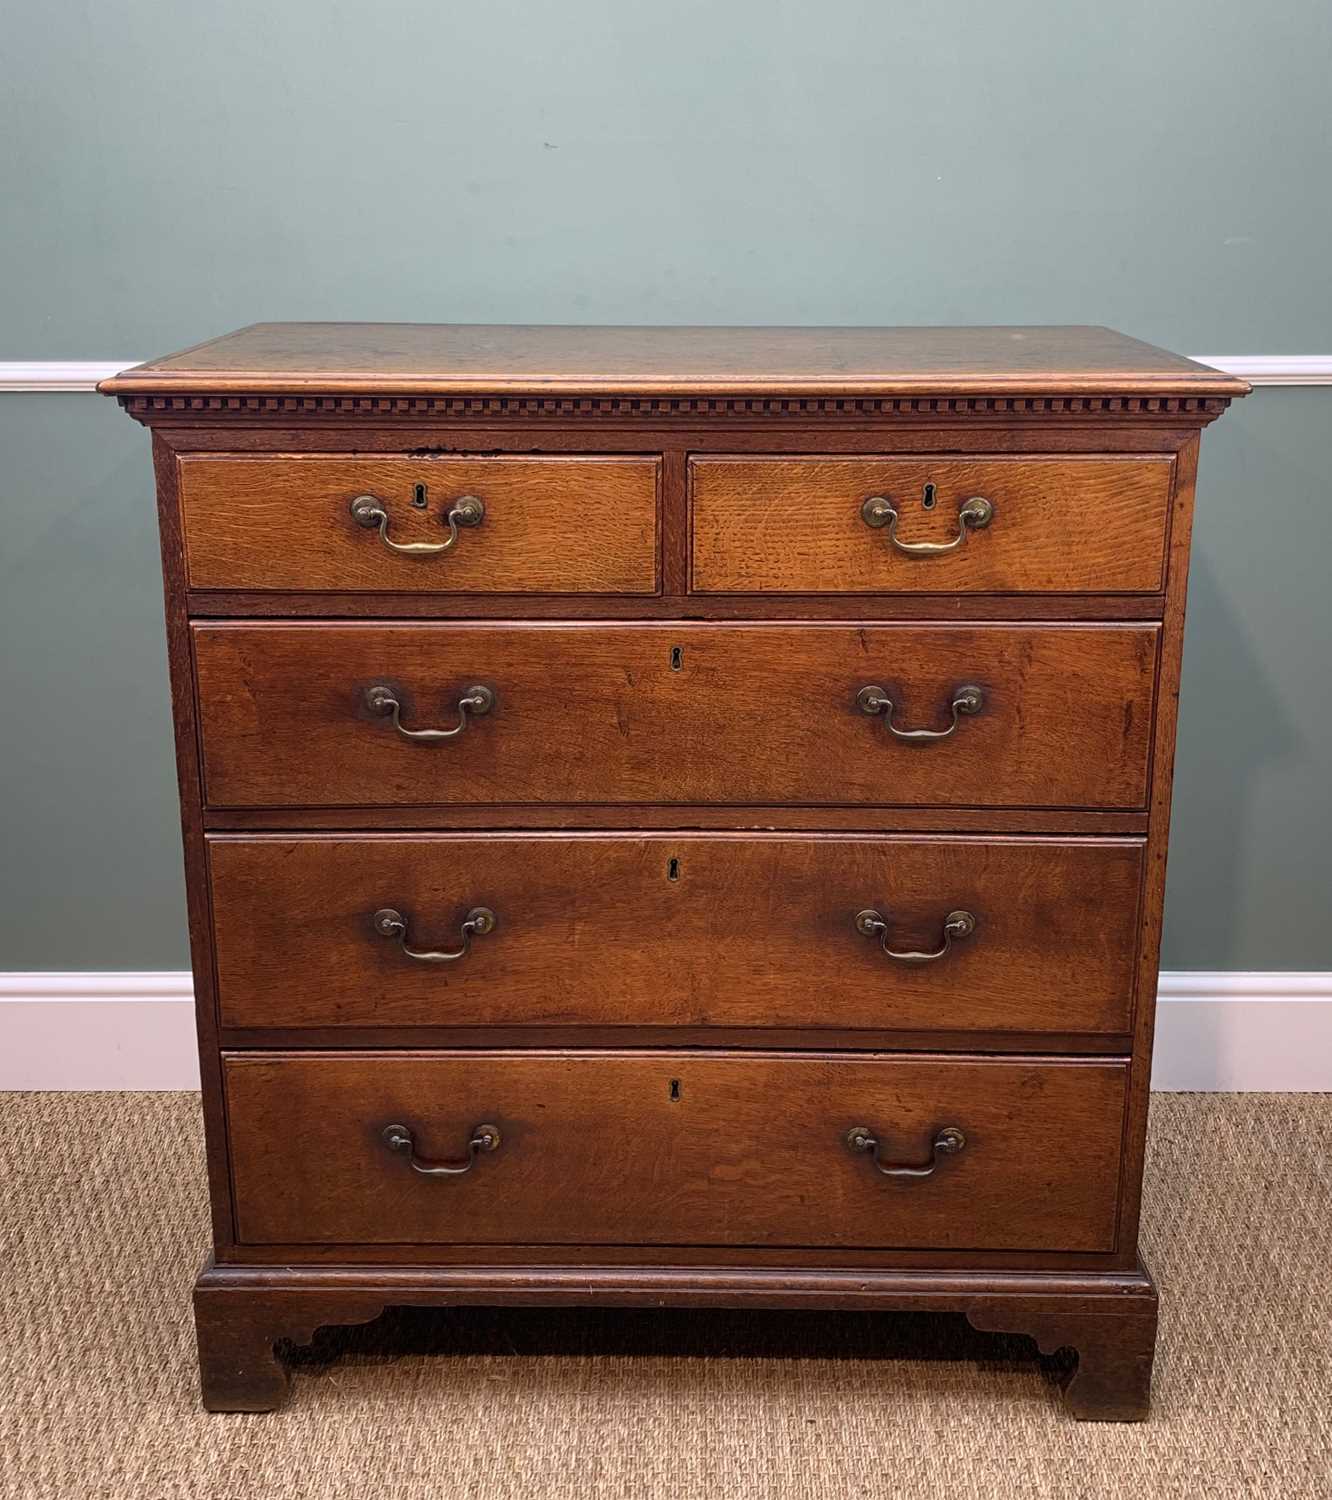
point(1246, 1032)
point(1243, 1032)
point(58, 374)
point(97, 1031)
point(1273, 369)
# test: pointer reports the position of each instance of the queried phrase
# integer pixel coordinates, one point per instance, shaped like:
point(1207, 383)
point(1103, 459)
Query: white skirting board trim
point(83, 374)
point(1273, 369)
point(89, 1030)
point(58, 374)
point(1246, 1032)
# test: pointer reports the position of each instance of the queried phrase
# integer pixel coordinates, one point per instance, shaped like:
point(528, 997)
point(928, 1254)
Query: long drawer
point(674, 1148)
point(482, 524)
point(375, 715)
point(880, 933)
point(984, 523)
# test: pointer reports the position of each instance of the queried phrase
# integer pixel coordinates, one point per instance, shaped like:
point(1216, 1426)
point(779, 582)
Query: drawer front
point(1054, 525)
point(674, 1148)
point(677, 930)
point(545, 525)
point(305, 714)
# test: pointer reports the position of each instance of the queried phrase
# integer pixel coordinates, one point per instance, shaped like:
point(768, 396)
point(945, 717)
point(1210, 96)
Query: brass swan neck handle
point(370, 511)
point(956, 926)
point(400, 1139)
point(383, 701)
point(947, 1141)
point(391, 923)
point(966, 701)
point(879, 512)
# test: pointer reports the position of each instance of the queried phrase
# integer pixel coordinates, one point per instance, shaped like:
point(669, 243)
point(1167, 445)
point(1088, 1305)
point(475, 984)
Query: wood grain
point(560, 525)
point(426, 358)
point(678, 930)
point(242, 1312)
point(1060, 526)
point(1116, 1348)
point(757, 817)
point(224, 604)
point(668, 1148)
point(583, 1261)
point(738, 1192)
point(189, 778)
point(817, 1036)
point(1163, 766)
point(930, 433)
point(759, 713)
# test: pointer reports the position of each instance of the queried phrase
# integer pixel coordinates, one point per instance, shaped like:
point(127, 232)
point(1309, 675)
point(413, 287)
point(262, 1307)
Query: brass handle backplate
point(947, 1142)
point(382, 700)
point(966, 700)
point(975, 515)
point(370, 511)
point(390, 923)
point(399, 1138)
point(957, 924)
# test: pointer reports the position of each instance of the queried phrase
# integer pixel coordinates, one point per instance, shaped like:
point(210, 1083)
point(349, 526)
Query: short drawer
point(671, 1148)
point(974, 525)
point(818, 932)
point(480, 525)
point(325, 715)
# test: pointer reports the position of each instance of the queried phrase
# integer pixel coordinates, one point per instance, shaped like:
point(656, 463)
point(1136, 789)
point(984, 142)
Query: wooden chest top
point(445, 359)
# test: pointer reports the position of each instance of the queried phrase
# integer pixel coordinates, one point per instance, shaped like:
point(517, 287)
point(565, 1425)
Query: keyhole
point(419, 496)
point(927, 499)
point(674, 1090)
point(672, 869)
point(677, 658)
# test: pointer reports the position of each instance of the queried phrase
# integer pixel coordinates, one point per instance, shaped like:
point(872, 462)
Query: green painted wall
point(169, 171)
point(90, 861)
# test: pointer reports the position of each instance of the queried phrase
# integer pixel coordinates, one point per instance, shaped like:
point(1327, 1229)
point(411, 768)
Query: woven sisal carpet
point(102, 1225)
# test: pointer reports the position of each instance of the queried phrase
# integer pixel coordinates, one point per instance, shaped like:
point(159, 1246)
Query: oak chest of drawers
point(675, 816)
